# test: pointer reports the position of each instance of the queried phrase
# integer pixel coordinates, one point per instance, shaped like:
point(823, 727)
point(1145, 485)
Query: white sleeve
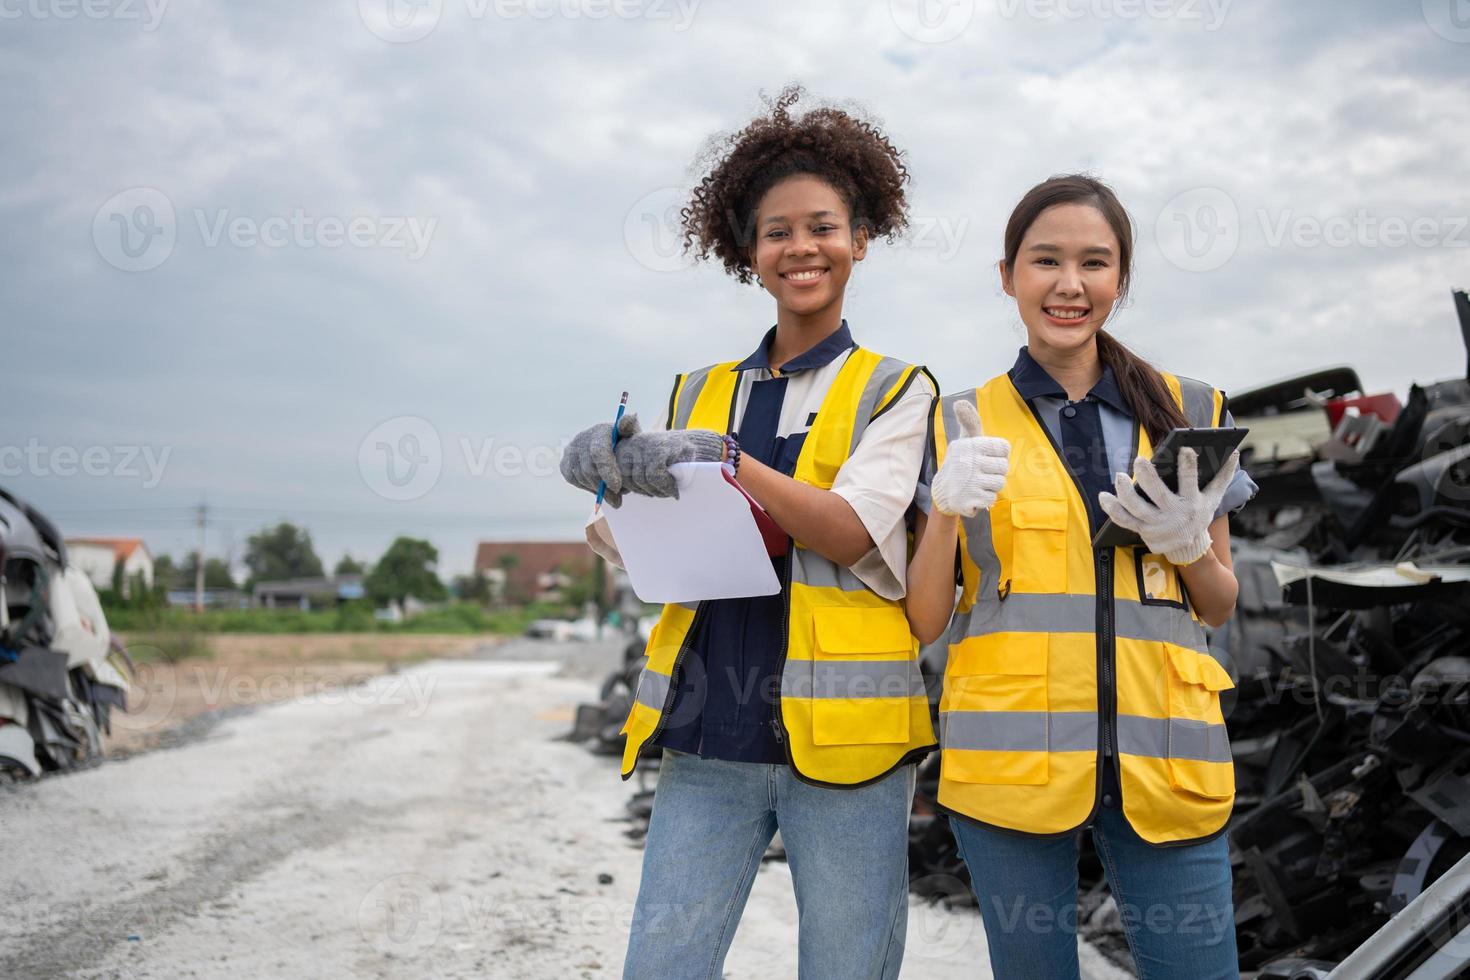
point(878, 480)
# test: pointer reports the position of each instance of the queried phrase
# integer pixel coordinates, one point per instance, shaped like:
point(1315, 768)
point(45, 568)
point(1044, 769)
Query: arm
point(930, 599)
point(820, 519)
point(1211, 580)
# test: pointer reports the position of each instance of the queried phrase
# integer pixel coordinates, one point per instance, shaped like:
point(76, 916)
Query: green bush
point(351, 617)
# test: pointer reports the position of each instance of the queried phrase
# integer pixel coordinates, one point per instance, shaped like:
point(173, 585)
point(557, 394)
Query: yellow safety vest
point(1057, 652)
point(852, 701)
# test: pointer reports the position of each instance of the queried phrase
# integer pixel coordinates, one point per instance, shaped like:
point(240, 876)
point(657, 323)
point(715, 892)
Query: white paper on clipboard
point(704, 545)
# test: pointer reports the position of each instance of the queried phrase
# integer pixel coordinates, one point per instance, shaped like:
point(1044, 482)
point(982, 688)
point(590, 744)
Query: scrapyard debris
point(59, 664)
point(1350, 645)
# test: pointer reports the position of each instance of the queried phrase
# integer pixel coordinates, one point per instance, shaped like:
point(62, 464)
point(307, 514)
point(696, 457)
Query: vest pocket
point(997, 726)
point(863, 674)
point(1038, 552)
point(1198, 749)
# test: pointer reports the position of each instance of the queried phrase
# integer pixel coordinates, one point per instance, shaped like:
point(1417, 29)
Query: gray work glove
point(644, 459)
point(589, 458)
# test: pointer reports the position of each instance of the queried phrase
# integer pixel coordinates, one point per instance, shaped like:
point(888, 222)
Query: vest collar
point(820, 355)
point(1032, 381)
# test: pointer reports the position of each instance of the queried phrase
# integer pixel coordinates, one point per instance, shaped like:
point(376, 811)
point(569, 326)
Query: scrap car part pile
point(58, 679)
point(1350, 721)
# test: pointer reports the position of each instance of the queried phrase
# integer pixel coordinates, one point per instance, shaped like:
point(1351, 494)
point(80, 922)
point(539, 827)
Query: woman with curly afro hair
point(804, 711)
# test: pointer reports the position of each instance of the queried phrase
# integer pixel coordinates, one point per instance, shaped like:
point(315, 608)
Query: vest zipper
point(1107, 688)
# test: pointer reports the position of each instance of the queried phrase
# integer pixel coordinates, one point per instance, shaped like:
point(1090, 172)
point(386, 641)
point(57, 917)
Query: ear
point(859, 243)
point(1005, 279)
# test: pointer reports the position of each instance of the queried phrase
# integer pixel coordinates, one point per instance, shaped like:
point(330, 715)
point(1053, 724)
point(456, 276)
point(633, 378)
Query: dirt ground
point(171, 698)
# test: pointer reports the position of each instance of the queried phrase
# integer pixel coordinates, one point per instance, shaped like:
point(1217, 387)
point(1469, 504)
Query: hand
point(589, 458)
point(974, 469)
point(1175, 525)
point(644, 459)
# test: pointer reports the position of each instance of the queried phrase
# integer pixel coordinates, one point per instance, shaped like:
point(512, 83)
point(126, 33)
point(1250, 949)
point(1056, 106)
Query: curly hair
point(849, 153)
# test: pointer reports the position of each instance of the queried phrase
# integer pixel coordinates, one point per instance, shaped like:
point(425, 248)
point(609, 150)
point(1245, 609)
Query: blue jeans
point(712, 821)
point(1175, 902)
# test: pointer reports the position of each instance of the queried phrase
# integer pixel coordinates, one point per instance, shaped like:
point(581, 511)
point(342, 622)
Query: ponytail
point(1143, 388)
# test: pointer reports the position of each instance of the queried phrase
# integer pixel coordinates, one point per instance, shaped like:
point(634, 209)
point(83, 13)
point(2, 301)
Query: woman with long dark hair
point(1079, 692)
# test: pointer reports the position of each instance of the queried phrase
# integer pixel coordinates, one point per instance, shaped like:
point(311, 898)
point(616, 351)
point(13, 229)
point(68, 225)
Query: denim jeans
point(1175, 902)
point(712, 820)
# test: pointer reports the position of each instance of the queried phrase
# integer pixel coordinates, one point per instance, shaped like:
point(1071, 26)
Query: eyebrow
point(1090, 250)
point(815, 214)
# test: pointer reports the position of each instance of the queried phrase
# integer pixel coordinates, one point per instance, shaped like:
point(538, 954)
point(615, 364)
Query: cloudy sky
point(366, 265)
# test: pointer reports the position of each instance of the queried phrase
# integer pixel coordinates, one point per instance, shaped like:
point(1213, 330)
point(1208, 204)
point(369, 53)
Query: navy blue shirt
point(726, 699)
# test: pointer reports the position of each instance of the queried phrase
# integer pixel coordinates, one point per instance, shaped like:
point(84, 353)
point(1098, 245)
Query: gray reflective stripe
point(1199, 403)
point(1019, 731)
point(1031, 612)
point(810, 568)
point(852, 679)
point(688, 395)
point(978, 544)
point(1173, 738)
point(885, 375)
point(653, 689)
point(691, 606)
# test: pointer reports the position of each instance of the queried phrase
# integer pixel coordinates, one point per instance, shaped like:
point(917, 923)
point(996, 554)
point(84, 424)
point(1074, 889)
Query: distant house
point(213, 599)
point(532, 569)
point(307, 593)
point(100, 557)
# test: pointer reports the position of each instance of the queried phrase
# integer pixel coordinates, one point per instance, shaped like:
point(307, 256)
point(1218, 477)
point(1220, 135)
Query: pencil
point(602, 484)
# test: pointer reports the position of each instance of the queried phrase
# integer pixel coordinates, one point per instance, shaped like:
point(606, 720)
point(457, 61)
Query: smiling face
point(1065, 277)
point(805, 246)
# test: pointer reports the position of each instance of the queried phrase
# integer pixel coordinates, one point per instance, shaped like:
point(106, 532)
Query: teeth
point(800, 276)
point(1065, 314)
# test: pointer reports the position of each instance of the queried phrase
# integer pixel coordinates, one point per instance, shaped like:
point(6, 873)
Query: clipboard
point(1214, 447)
point(777, 541)
point(706, 544)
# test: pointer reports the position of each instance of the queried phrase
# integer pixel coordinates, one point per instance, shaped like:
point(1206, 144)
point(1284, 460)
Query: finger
point(968, 416)
point(1188, 471)
point(1128, 498)
point(628, 426)
point(1147, 479)
point(1116, 512)
point(1227, 473)
point(605, 463)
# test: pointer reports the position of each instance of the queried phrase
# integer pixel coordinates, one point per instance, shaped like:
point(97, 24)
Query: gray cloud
point(534, 144)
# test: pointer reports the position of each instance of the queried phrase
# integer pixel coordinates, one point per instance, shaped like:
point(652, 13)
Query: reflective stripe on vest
point(853, 704)
point(1019, 722)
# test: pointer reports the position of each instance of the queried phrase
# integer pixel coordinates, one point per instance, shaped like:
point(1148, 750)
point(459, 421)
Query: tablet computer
point(1214, 447)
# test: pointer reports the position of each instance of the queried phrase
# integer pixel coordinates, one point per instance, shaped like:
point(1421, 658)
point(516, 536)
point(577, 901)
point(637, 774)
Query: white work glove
point(1175, 525)
point(974, 469)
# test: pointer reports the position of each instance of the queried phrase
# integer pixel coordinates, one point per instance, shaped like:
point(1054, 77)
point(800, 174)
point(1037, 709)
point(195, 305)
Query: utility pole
point(201, 515)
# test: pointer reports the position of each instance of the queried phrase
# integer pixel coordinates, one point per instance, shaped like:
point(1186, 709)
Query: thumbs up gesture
point(974, 469)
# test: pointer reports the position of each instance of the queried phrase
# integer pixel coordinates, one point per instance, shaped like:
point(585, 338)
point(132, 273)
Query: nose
point(1069, 282)
point(801, 243)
